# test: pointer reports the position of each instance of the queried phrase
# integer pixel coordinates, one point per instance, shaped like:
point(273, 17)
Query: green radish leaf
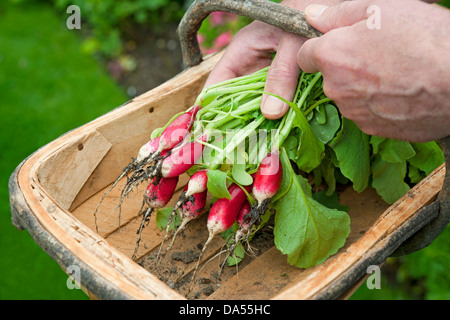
point(320, 116)
point(230, 232)
point(388, 179)
point(376, 142)
point(162, 219)
point(291, 143)
point(241, 176)
point(352, 152)
point(395, 151)
point(330, 201)
point(326, 171)
point(237, 256)
point(310, 150)
point(428, 156)
point(217, 184)
point(305, 230)
point(415, 174)
point(325, 130)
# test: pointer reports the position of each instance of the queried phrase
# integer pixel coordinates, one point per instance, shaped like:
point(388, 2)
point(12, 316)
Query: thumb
point(345, 14)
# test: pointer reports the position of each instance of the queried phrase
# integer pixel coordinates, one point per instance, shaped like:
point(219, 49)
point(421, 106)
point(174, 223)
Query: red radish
point(160, 191)
point(268, 177)
point(159, 147)
point(193, 206)
point(139, 176)
point(243, 221)
point(192, 200)
point(266, 183)
point(147, 150)
point(224, 211)
point(243, 218)
point(196, 184)
point(177, 130)
point(170, 137)
point(223, 214)
point(182, 159)
point(191, 209)
point(158, 194)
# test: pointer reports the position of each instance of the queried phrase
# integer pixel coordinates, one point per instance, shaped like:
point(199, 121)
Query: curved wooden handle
point(280, 16)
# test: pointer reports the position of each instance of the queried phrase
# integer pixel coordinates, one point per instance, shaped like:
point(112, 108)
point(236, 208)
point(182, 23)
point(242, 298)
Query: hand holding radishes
point(252, 48)
point(392, 79)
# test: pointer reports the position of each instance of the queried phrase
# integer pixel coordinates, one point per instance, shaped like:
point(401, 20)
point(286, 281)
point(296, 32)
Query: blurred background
point(54, 79)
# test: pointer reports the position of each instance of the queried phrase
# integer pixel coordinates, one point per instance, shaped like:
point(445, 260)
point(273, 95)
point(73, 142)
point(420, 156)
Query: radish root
point(168, 233)
point(145, 220)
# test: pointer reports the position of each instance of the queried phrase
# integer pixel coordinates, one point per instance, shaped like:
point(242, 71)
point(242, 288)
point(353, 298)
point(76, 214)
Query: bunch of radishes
point(165, 172)
point(177, 149)
point(231, 151)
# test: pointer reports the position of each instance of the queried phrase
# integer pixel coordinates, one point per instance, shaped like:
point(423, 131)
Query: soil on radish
point(187, 256)
point(176, 267)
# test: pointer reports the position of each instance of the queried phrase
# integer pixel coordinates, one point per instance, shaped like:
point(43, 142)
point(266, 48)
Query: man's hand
point(251, 49)
point(393, 81)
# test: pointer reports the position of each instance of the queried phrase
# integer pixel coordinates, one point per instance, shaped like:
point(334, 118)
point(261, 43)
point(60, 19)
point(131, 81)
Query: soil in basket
point(175, 269)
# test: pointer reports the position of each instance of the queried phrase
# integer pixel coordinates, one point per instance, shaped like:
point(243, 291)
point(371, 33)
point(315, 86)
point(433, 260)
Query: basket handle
point(278, 15)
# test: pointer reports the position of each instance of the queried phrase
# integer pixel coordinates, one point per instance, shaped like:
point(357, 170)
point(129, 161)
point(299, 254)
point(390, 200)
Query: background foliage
point(111, 20)
point(54, 79)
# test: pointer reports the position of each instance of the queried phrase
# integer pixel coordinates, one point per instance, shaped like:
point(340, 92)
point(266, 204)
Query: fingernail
point(273, 106)
point(315, 10)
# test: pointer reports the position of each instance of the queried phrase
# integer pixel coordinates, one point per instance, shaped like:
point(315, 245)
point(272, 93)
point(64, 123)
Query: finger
point(307, 57)
point(282, 77)
point(345, 14)
point(222, 71)
point(250, 50)
point(233, 64)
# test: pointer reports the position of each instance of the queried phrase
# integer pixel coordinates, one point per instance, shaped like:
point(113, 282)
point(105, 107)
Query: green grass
point(47, 87)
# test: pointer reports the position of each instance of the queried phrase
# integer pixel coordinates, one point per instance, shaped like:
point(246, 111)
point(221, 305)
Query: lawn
point(47, 87)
